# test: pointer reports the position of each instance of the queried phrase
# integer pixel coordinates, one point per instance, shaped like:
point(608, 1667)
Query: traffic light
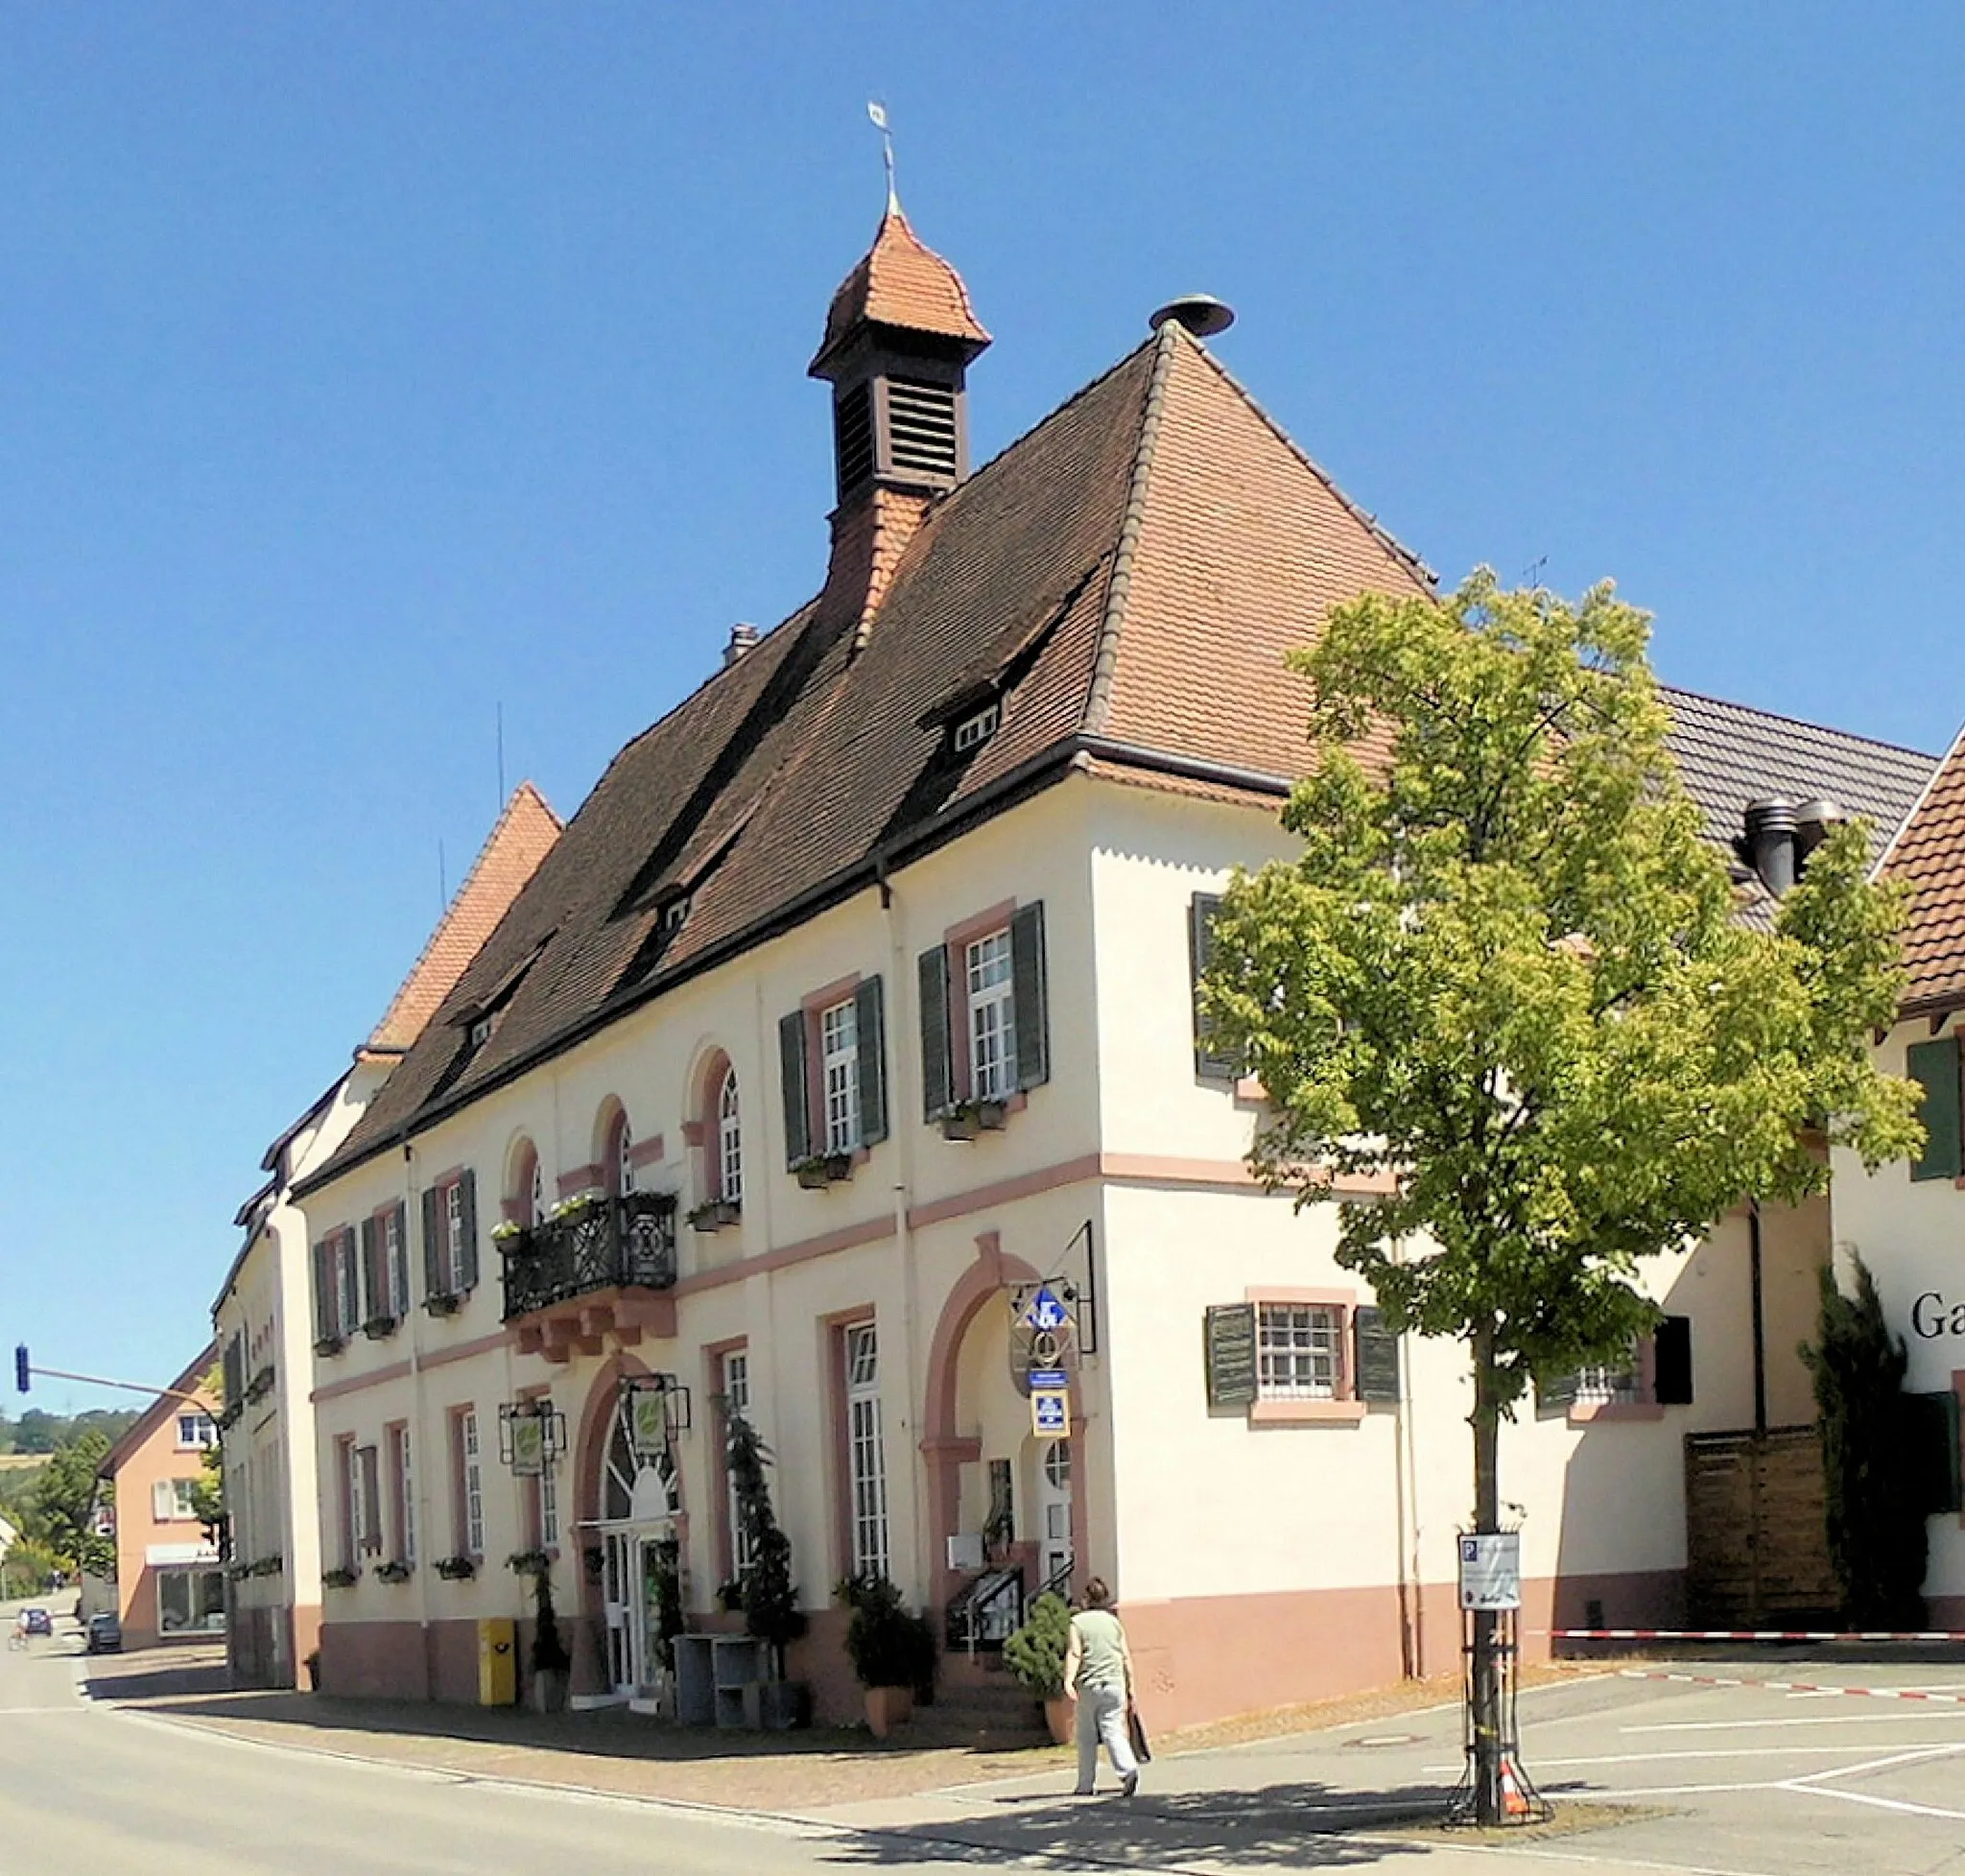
point(21, 1371)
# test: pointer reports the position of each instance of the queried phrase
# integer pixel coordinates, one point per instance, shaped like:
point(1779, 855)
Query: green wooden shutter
point(1228, 1336)
point(374, 1286)
point(350, 1259)
point(1935, 1067)
point(870, 1019)
point(797, 1089)
point(467, 1249)
point(1209, 1063)
point(1672, 1362)
point(1375, 1353)
point(432, 1245)
point(938, 1086)
point(323, 1306)
point(1029, 988)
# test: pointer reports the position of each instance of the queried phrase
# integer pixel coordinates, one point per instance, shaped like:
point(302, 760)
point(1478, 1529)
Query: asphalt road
point(1724, 1782)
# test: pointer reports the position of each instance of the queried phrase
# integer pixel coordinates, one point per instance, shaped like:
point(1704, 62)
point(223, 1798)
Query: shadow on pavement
point(1298, 1826)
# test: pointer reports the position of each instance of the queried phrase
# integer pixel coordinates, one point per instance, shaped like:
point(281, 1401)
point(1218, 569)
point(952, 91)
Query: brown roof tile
point(510, 855)
point(1125, 578)
point(900, 282)
point(1928, 854)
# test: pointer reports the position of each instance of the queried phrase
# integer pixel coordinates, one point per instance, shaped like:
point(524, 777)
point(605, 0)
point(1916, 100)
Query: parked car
point(39, 1622)
point(105, 1635)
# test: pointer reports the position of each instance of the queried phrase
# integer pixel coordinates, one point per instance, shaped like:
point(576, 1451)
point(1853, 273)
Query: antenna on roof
point(1531, 574)
point(876, 111)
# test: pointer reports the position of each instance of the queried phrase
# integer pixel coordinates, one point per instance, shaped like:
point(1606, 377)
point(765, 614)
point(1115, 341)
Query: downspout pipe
point(1760, 1325)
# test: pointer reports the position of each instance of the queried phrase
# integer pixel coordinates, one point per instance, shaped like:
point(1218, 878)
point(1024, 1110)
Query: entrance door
point(1053, 1510)
point(620, 1587)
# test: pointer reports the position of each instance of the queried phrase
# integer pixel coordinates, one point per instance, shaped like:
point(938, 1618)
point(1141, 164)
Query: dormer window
point(674, 914)
point(978, 727)
point(481, 1032)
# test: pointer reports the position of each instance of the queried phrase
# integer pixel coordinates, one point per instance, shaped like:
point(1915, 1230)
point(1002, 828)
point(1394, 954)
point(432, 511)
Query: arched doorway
point(636, 1505)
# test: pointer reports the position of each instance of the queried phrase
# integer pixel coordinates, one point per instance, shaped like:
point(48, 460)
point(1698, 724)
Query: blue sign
point(1046, 1312)
point(1050, 1413)
point(1049, 1378)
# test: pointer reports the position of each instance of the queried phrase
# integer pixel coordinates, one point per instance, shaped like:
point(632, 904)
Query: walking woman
point(1098, 1673)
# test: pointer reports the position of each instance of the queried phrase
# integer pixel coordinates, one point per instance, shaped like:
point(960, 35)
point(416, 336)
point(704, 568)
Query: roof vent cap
point(1814, 822)
point(743, 639)
point(1770, 843)
point(1200, 313)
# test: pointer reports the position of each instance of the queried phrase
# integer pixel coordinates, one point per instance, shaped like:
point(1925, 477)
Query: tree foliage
point(1036, 1654)
point(1507, 980)
point(62, 1514)
point(771, 1598)
point(1871, 1458)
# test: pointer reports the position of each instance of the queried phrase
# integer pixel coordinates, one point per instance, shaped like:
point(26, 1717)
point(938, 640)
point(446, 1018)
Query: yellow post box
point(497, 1662)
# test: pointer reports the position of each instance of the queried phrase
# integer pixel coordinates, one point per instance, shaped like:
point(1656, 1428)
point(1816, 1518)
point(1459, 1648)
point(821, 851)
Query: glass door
point(1053, 1510)
point(620, 1579)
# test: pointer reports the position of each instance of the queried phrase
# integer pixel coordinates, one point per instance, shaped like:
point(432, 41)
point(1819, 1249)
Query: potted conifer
point(1036, 1655)
point(769, 1595)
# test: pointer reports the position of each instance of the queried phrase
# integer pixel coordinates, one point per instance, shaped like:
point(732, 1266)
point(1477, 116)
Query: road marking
point(1906, 1756)
point(1919, 1717)
point(1871, 1798)
point(1537, 1764)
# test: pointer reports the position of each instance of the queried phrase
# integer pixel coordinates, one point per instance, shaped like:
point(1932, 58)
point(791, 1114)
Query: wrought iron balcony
point(627, 1242)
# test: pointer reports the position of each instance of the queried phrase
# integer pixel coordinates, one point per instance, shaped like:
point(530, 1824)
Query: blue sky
point(364, 368)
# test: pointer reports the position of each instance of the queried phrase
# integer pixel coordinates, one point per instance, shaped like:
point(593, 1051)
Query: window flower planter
point(448, 1303)
point(261, 1384)
point(399, 1570)
point(456, 1569)
point(237, 1571)
point(505, 1230)
point(329, 1345)
point(266, 1566)
point(821, 1170)
point(715, 1215)
point(528, 1563)
point(345, 1579)
point(378, 1326)
point(969, 1118)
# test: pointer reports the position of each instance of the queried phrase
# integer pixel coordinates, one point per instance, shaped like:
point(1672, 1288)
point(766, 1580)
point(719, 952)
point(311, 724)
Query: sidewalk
point(1248, 1780)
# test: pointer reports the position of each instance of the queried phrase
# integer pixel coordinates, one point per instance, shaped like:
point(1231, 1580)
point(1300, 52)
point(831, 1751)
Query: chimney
point(742, 638)
point(1770, 843)
point(899, 336)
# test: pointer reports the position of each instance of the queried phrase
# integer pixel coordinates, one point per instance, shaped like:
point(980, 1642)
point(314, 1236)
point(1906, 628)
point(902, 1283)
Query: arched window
point(526, 1191)
point(632, 1486)
point(620, 1155)
point(535, 1198)
point(729, 1142)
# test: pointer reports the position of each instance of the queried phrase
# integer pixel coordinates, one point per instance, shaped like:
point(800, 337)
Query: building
point(263, 1314)
point(1906, 1221)
point(170, 1579)
point(856, 1003)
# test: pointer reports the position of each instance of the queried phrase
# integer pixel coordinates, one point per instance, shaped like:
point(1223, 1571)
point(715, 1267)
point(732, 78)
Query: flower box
point(821, 1170)
point(970, 1118)
point(329, 1345)
point(378, 1326)
point(261, 1384)
point(340, 1579)
point(399, 1570)
point(528, 1563)
point(445, 1303)
point(715, 1215)
point(456, 1569)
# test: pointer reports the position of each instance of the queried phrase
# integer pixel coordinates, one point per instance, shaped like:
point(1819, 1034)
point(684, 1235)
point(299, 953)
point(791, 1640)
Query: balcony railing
point(624, 1243)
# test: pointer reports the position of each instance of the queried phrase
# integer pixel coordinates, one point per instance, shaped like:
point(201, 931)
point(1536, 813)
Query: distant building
point(262, 1314)
point(170, 1578)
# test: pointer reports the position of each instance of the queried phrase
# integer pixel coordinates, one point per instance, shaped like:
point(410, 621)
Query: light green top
point(1102, 1649)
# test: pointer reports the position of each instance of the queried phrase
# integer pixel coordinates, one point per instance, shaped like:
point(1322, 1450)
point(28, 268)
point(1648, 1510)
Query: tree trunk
point(1484, 1684)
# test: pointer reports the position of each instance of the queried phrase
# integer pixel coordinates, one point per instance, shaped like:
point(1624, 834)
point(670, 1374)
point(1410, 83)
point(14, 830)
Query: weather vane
point(876, 111)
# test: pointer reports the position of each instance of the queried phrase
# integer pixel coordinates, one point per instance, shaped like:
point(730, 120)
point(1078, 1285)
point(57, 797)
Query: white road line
point(1910, 1717)
point(1526, 1851)
point(1908, 1756)
point(1537, 1764)
point(1871, 1798)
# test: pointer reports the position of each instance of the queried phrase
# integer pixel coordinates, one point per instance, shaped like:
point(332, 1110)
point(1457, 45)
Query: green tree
point(1506, 978)
point(771, 1599)
point(61, 1515)
point(1872, 1459)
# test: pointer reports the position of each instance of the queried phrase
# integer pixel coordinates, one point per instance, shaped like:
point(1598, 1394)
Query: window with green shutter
point(1935, 1067)
point(1210, 1063)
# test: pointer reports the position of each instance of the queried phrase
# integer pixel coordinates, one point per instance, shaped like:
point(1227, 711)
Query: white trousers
point(1101, 1717)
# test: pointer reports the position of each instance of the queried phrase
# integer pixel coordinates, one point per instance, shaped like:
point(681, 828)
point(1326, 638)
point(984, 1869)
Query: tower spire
point(876, 111)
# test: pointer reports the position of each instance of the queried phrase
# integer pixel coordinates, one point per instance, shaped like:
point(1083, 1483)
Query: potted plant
point(768, 1595)
point(344, 1576)
point(891, 1651)
point(1036, 1655)
point(458, 1568)
point(966, 1119)
point(528, 1563)
point(817, 1171)
point(445, 1302)
point(550, 1660)
point(715, 1214)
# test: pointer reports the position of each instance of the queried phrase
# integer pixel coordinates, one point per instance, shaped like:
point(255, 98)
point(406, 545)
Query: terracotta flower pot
point(886, 1707)
point(1059, 1716)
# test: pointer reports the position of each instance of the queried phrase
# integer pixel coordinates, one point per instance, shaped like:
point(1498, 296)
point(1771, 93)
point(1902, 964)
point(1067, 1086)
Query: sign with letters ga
point(1050, 1412)
point(1491, 1570)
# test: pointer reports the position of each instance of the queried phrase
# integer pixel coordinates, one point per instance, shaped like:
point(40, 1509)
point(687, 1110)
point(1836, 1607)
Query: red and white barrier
point(1754, 1634)
point(1794, 1686)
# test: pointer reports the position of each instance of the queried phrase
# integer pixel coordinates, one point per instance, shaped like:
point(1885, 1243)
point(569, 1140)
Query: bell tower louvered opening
point(899, 421)
point(923, 429)
point(853, 435)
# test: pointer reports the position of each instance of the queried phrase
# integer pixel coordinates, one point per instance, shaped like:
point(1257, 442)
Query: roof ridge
point(526, 792)
point(1362, 515)
point(1910, 813)
point(1800, 722)
point(1118, 580)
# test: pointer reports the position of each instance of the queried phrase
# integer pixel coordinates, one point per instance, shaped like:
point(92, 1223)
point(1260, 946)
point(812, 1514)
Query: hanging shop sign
point(1491, 1570)
point(656, 1407)
point(1043, 1335)
point(1050, 1412)
point(532, 1436)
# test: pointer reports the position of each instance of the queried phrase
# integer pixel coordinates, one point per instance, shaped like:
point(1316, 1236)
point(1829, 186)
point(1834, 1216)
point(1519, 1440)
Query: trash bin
point(497, 1662)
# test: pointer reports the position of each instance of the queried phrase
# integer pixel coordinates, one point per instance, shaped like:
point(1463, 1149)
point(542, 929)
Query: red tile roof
point(900, 282)
point(1928, 854)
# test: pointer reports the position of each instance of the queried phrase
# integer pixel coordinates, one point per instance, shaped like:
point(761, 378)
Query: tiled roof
point(510, 855)
point(1928, 854)
point(1126, 577)
point(900, 282)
